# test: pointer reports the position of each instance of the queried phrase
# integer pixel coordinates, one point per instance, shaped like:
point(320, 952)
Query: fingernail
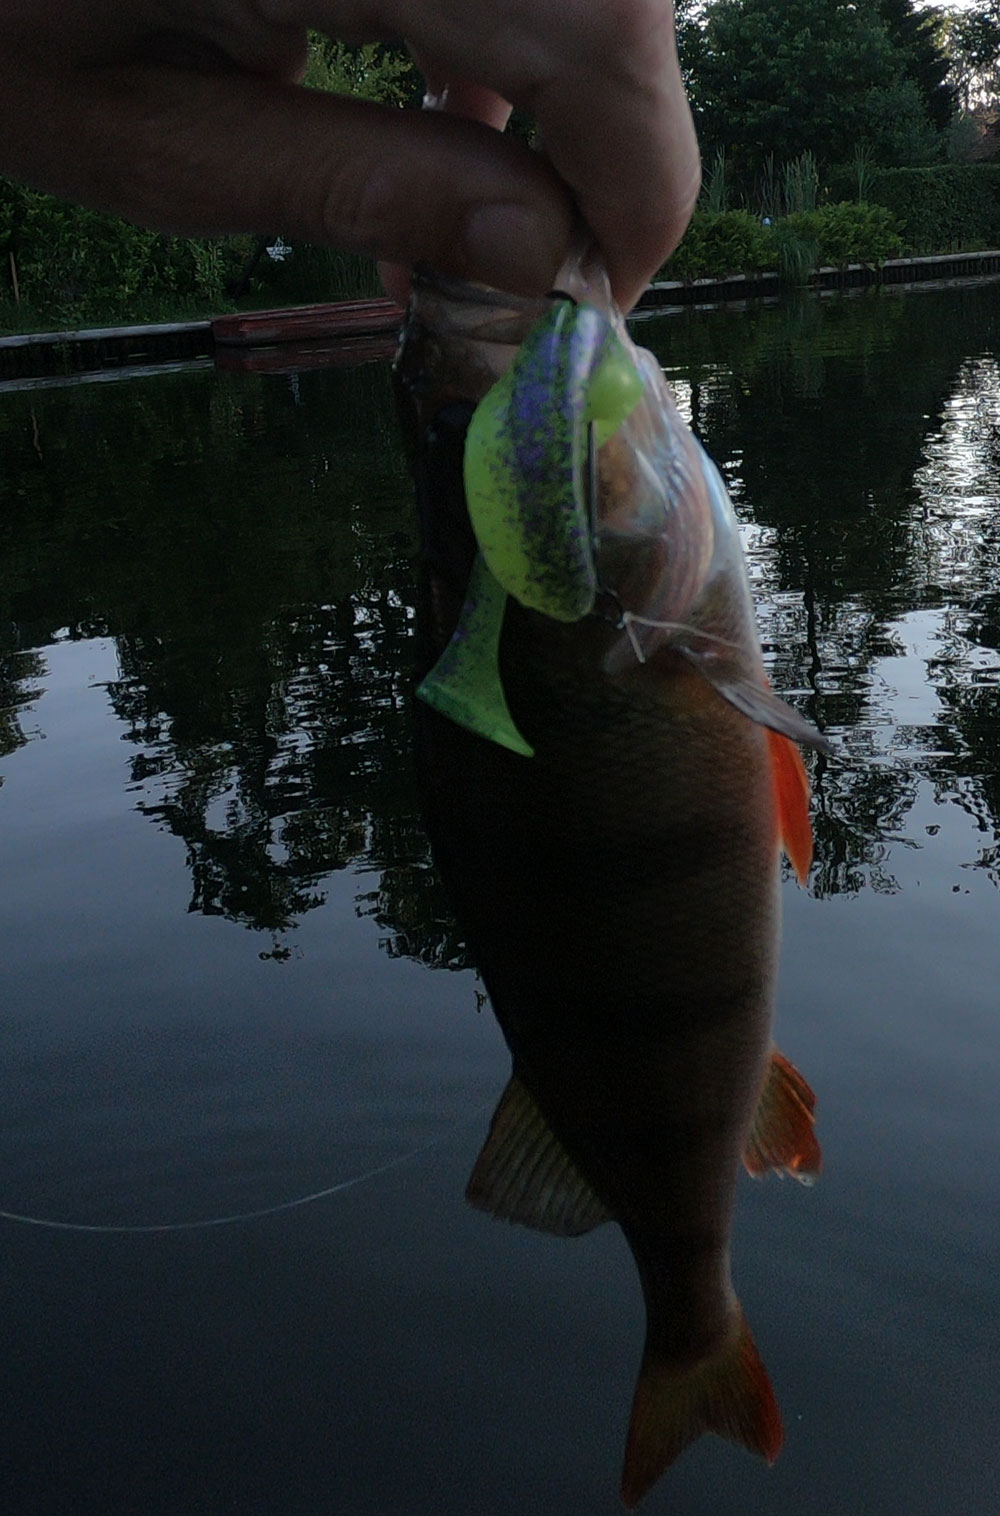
point(506, 246)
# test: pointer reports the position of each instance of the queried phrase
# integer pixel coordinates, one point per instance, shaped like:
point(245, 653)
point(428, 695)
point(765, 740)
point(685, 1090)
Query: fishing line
point(630, 619)
point(111, 1229)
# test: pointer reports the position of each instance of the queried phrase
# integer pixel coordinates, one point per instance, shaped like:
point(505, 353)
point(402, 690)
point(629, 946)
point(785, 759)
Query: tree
point(919, 39)
point(972, 41)
point(369, 71)
point(784, 77)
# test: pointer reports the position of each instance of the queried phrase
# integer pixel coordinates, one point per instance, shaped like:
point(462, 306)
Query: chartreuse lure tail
point(465, 684)
point(526, 456)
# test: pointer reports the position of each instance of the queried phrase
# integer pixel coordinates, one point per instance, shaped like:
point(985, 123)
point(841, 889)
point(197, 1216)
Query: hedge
point(947, 208)
point(737, 242)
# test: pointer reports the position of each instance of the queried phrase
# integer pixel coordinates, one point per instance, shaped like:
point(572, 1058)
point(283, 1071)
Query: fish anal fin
point(792, 793)
point(524, 1174)
point(782, 1136)
point(729, 1393)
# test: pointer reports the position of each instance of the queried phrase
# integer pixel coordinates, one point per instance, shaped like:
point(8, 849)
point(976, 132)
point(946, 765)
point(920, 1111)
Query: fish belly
point(619, 892)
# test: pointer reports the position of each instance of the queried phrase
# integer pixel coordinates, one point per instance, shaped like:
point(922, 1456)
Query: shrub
point(720, 243)
point(72, 261)
point(941, 209)
point(857, 233)
point(737, 242)
point(795, 246)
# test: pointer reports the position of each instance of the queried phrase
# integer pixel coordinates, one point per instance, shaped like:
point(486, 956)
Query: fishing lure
point(527, 473)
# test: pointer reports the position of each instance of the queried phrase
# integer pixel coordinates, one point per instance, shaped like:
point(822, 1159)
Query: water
point(230, 978)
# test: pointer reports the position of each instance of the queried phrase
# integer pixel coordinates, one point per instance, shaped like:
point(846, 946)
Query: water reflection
point(250, 552)
point(249, 545)
point(217, 574)
point(860, 439)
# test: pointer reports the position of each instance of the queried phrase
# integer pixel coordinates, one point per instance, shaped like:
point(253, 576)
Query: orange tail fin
point(791, 788)
point(729, 1393)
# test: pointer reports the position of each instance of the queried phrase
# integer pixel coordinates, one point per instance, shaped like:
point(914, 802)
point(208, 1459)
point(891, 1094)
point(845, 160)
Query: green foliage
point(942, 209)
point(963, 137)
point(784, 77)
point(737, 242)
point(74, 263)
point(795, 246)
point(972, 40)
point(918, 37)
point(864, 166)
point(769, 193)
point(716, 244)
point(372, 71)
point(715, 191)
point(849, 232)
point(801, 184)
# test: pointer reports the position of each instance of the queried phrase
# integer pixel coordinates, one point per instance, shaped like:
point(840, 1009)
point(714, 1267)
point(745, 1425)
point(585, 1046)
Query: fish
point(608, 780)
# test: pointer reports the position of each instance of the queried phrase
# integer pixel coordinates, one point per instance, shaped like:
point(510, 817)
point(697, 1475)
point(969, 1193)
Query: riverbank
point(357, 331)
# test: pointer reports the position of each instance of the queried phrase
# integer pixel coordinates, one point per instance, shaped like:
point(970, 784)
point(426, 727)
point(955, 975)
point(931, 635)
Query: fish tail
point(728, 1393)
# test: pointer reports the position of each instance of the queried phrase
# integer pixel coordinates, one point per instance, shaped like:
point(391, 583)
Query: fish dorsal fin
point(524, 1173)
point(782, 1136)
point(728, 1393)
point(791, 790)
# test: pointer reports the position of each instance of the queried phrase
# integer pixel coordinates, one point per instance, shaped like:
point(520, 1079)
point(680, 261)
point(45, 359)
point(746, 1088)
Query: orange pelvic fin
point(782, 1136)
point(791, 789)
point(729, 1393)
point(524, 1173)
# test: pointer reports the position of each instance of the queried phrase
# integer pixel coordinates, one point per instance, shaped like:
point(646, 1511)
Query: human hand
point(186, 115)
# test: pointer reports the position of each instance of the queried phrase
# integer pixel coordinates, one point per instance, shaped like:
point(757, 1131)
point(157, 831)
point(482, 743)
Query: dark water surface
point(229, 977)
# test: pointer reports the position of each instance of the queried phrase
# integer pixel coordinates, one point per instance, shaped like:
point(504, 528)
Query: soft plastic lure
point(527, 452)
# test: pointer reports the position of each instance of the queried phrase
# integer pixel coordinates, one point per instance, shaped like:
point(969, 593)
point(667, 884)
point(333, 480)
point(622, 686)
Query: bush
point(738, 243)
point(74, 262)
point(943, 209)
point(719, 243)
point(857, 233)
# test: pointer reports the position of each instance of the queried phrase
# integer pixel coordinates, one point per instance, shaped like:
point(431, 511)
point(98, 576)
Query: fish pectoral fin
point(728, 1393)
point(755, 700)
point(791, 790)
point(782, 1136)
point(524, 1173)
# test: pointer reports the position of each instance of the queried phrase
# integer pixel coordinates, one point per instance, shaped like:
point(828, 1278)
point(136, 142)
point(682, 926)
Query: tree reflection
point(836, 424)
point(251, 552)
point(249, 545)
point(19, 689)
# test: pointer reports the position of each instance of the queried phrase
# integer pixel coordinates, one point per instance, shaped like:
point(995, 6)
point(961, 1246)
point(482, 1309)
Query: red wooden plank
point(304, 322)
point(293, 357)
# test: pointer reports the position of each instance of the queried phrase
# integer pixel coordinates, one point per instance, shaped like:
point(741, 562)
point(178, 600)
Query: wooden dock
point(363, 331)
point(345, 331)
point(307, 336)
point(894, 271)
